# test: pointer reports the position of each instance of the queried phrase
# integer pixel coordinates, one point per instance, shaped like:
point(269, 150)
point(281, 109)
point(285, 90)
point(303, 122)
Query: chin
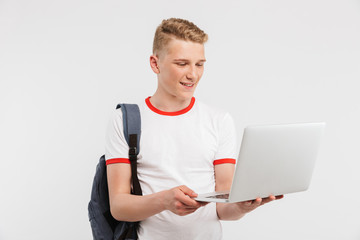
point(186, 97)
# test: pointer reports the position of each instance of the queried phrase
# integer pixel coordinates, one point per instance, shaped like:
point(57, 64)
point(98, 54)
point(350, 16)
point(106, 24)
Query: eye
point(181, 64)
point(200, 64)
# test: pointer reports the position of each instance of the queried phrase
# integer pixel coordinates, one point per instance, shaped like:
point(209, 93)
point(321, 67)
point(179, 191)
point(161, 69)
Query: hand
point(178, 200)
point(251, 205)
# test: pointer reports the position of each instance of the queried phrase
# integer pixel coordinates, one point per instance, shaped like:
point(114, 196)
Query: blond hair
point(178, 28)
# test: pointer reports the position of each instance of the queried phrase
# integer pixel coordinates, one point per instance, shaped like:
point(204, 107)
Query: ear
point(154, 60)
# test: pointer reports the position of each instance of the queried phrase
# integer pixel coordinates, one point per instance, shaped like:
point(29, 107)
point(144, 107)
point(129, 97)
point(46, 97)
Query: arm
point(234, 211)
point(127, 207)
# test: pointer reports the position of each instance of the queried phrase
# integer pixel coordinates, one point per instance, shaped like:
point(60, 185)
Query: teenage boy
point(186, 147)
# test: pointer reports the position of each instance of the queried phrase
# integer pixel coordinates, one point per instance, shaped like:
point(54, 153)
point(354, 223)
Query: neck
point(169, 103)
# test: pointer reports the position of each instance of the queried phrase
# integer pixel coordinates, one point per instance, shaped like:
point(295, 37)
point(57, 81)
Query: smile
point(187, 84)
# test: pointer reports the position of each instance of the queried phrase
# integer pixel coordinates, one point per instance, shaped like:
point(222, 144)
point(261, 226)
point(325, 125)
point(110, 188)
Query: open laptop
point(273, 160)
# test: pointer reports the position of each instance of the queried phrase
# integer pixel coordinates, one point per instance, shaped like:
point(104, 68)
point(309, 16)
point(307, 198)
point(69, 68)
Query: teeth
point(188, 85)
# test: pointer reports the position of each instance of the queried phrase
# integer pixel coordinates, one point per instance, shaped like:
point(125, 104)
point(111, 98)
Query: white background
point(64, 65)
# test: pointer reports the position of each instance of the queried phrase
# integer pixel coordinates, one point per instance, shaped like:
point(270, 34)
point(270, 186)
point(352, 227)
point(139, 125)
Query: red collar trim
point(185, 110)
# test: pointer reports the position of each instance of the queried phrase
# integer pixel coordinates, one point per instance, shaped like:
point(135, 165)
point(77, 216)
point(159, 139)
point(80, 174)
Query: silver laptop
point(273, 160)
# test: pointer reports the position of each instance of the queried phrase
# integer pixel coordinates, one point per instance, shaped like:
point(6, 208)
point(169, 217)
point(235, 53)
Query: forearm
point(229, 211)
point(132, 208)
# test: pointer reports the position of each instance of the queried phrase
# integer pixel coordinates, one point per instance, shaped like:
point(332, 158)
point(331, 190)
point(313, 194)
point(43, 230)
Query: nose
point(192, 73)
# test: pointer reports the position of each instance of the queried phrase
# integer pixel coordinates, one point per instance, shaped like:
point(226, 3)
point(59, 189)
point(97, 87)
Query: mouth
point(187, 84)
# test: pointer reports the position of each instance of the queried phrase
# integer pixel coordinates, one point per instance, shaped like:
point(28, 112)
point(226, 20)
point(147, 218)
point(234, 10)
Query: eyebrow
point(186, 60)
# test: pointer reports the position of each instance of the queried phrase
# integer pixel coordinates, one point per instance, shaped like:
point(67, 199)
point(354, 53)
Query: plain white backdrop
point(64, 65)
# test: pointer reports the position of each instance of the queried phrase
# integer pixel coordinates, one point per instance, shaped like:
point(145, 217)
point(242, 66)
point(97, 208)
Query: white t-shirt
point(177, 148)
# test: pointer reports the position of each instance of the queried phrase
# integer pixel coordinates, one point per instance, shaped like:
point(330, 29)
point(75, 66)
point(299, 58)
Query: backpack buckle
point(132, 153)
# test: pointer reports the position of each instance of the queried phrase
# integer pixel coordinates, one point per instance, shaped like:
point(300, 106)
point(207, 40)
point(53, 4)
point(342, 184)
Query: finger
point(190, 207)
point(279, 197)
point(253, 203)
point(184, 209)
point(186, 200)
point(257, 202)
point(268, 199)
point(187, 191)
point(204, 203)
point(248, 203)
point(190, 202)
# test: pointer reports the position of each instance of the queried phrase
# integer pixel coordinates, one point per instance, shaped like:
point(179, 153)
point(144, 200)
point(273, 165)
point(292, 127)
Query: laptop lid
point(275, 160)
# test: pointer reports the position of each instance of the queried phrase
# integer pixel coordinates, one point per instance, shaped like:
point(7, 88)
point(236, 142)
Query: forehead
point(177, 48)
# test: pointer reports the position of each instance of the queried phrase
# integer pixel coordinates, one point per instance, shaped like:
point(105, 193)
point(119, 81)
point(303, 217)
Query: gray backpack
point(103, 225)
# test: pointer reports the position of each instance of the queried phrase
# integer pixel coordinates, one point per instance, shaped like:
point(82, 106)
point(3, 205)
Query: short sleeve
point(227, 141)
point(116, 147)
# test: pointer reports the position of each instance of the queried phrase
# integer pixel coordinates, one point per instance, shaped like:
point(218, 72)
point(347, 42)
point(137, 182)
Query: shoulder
point(116, 116)
point(213, 112)
point(117, 113)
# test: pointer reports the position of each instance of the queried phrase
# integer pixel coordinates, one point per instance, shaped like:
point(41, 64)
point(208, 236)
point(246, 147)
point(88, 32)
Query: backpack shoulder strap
point(132, 132)
point(131, 123)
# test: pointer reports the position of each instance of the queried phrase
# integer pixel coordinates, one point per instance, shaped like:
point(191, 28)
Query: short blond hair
point(179, 28)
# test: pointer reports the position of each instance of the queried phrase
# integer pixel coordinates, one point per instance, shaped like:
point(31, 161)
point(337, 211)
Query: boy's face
point(180, 66)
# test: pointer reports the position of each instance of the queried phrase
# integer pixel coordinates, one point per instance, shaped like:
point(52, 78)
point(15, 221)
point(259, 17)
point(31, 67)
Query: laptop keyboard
point(221, 196)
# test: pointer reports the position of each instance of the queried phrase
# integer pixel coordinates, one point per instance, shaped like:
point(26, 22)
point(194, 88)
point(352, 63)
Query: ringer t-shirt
point(177, 148)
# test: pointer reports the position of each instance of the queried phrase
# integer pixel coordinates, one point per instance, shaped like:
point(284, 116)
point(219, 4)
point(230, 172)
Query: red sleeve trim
point(225, 160)
point(117, 160)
